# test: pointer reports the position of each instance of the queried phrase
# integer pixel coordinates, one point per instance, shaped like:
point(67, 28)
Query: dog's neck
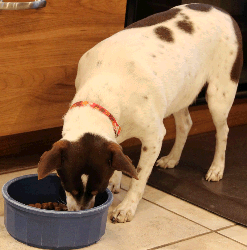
point(81, 120)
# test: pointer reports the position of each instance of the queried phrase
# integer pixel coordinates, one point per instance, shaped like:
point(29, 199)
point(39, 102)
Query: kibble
point(50, 206)
point(55, 204)
point(38, 205)
point(44, 205)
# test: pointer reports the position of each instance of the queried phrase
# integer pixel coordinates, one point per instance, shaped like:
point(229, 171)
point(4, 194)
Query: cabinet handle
point(22, 5)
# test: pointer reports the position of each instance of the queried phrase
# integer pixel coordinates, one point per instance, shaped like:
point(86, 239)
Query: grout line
point(223, 228)
point(217, 231)
point(230, 237)
point(199, 235)
point(178, 241)
point(211, 230)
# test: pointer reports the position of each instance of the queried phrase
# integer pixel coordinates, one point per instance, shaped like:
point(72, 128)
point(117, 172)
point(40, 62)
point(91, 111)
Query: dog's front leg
point(115, 182)
point(151, 147)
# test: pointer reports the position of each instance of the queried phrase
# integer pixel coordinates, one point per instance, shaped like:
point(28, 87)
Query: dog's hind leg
point(223, 82)
point(183, 124)
point(220, 97)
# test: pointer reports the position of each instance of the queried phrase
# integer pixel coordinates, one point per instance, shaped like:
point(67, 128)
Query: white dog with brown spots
point(134, 79)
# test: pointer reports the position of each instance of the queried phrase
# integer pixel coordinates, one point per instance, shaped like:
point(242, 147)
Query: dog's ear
point(120, 161)
point(51, 160)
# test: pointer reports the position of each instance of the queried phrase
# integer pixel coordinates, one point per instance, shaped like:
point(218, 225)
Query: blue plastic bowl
point(49, 228)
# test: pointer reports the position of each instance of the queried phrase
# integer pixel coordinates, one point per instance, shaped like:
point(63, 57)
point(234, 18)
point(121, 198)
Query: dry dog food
point(50, 206)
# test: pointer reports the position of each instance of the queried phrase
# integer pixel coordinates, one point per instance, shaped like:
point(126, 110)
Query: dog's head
point(84, 167)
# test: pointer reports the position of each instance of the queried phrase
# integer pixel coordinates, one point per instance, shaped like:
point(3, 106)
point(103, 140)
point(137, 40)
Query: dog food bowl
point(50, 229)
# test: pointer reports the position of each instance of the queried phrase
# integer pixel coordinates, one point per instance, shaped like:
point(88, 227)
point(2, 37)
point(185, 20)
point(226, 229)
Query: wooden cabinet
point(39, 53)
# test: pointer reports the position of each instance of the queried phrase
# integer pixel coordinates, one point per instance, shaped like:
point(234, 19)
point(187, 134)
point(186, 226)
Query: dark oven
point(139, 9)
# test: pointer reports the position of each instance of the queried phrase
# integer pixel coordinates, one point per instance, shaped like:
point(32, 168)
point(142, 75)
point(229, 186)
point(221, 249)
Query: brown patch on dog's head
point(121, 162)
point(51, 160)
point(91, 155)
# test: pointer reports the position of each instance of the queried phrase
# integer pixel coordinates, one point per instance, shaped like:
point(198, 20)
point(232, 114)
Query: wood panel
point(39, 53)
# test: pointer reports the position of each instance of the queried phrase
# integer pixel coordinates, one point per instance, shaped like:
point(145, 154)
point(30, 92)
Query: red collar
point(116, 127)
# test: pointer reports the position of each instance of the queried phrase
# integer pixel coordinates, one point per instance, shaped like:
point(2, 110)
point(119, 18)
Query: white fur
point(139, 90)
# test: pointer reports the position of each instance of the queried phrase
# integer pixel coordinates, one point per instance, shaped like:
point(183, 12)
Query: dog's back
point(174, 52)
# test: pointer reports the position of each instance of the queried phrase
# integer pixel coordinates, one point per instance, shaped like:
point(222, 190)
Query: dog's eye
point(94, 193)
point(74, 192)
point(77, 193)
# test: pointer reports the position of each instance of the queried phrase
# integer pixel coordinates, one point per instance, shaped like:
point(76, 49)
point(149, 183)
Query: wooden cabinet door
point(39, 53)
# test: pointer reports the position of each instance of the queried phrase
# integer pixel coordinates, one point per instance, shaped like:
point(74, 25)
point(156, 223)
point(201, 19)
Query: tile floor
point(161, 222)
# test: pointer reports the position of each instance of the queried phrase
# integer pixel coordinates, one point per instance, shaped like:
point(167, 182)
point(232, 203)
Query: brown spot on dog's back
point(220, 9)
point(204, 7)
point(186, 26)
point(199, 7)
point(164, 34)
point(184, 16)
point(238, 63)
point(155, 19)
point(145, 148)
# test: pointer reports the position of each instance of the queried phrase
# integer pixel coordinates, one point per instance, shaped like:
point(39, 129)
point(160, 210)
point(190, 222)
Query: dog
point(127, 84)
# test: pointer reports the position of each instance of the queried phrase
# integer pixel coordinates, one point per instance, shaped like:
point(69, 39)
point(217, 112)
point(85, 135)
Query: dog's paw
point(167, 162)
point(124, 212)
point(215, 173)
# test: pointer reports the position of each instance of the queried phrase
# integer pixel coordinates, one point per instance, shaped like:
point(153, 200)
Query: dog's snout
point(72, 208)
point(78, 207)
point(74, 205)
